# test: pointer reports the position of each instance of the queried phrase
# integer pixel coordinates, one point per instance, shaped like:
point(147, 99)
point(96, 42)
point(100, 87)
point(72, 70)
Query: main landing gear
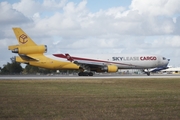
point(85, 74)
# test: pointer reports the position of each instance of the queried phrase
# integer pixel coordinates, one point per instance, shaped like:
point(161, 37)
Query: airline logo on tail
point(23, 39)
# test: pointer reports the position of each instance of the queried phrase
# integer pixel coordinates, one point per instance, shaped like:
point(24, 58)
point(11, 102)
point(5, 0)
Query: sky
point(94, 26)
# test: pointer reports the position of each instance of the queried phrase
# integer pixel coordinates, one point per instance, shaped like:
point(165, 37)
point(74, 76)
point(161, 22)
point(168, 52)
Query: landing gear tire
point(148, 73)
point(80, 74)
point(90, 74)
point(85, 74)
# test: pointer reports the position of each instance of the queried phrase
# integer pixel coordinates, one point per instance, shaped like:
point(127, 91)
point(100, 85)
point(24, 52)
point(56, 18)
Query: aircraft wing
point(79, 62)
point(82, 61)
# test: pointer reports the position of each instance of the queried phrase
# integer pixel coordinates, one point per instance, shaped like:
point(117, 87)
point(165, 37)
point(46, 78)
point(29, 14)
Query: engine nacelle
point(110, 68)
point(30, 49)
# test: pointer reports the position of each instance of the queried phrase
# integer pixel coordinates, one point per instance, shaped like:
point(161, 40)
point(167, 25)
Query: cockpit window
point(164, 58)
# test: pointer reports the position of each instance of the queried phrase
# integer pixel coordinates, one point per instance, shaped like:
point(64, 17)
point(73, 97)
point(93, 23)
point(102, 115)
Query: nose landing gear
point(148, 73)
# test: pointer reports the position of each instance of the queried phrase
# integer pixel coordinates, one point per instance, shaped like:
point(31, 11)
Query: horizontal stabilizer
point(29, 58)
point(12, 47)
point(32, 57)
point(20, 60)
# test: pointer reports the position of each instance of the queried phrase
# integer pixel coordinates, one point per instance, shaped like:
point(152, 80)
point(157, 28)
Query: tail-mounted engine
point(28, 49)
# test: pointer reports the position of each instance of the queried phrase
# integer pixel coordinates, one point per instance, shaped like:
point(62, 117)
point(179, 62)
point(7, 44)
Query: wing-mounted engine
point(28, 49)
point(110, 68)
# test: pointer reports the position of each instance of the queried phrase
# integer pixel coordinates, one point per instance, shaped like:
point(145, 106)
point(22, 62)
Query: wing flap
point(81, 62)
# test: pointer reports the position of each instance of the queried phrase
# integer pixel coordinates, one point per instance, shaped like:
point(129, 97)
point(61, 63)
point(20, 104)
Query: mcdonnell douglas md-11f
point(31, 53)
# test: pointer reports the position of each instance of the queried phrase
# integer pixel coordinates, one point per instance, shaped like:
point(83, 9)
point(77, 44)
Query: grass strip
point(90, 99)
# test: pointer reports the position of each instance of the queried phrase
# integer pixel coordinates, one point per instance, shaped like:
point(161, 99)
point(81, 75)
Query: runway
point(49, 77)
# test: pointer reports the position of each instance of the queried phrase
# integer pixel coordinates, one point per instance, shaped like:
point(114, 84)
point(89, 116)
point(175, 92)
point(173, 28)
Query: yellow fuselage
point(45, 62)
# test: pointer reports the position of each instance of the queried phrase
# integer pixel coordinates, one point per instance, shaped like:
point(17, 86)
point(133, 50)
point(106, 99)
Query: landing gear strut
point(148, 73)
point(85, 74)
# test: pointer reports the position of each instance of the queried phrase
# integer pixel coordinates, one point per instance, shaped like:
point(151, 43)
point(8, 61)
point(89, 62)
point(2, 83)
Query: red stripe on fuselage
point(92, 60)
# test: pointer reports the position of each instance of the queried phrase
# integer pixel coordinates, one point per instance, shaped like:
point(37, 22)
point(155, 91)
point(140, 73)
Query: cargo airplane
point(31, 53)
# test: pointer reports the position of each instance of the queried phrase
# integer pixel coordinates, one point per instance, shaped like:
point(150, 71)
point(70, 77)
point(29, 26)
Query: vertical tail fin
point(23, 38)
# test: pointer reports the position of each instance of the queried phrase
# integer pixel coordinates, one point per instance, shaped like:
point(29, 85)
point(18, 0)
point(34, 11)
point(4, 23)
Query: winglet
point(69, 58)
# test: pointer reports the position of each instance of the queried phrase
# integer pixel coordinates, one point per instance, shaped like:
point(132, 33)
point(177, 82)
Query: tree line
point(15, 68)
